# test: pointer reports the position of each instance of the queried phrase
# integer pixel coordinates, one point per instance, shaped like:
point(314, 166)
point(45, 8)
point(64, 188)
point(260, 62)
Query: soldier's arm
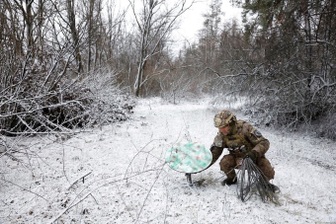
point(261, 144)
point(217, 148)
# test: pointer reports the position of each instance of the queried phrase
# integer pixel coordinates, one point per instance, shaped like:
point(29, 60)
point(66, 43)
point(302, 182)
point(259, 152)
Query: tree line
point(55, 54)
point(282, 60)
point(296, 42)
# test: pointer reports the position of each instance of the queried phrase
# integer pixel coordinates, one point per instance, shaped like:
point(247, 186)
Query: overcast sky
point(192, 21)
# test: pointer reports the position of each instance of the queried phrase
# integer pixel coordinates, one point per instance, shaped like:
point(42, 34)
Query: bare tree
point(154, 22)
point(209, 35)
point(292, 69)
point(70, 5)
point(49, 94)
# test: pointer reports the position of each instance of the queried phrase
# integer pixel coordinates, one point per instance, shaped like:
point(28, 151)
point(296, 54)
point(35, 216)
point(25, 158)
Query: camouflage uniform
point(242, 139)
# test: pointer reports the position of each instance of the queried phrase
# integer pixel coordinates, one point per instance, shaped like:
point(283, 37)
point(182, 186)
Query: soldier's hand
point(253, 155)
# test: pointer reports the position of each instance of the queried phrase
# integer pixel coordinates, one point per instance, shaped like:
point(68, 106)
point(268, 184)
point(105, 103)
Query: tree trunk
point(74, 33)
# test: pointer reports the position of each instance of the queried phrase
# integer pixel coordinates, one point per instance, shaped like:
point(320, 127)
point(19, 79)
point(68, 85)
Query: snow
point(117, 174)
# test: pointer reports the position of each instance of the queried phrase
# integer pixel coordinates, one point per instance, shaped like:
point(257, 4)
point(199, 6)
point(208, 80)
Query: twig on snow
point(25, 189)
point(71, 205)
point(80, 178)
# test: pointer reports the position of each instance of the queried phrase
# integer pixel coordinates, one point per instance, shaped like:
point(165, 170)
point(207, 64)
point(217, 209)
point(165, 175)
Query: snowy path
point(126, 180)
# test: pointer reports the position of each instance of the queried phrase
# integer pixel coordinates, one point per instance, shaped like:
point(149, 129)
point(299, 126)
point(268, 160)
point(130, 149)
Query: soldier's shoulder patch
point(257, 133)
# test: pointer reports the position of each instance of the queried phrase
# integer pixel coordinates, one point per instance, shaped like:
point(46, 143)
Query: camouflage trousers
point(230, 162)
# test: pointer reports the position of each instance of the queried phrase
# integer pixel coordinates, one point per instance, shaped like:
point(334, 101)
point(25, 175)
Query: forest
point(70, 64)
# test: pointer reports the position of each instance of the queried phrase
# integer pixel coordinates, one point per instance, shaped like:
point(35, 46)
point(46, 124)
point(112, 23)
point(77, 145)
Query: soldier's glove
point(253, 155)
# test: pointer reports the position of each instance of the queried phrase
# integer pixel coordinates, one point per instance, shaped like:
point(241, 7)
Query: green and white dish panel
point(188, 158)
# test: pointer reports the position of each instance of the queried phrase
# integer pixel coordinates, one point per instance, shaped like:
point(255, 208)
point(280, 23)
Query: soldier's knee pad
point(227, 163)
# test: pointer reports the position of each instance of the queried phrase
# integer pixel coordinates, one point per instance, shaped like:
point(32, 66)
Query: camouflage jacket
point(245, 139)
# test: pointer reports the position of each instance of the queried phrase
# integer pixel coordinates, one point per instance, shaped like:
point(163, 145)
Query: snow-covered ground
point(117, 174)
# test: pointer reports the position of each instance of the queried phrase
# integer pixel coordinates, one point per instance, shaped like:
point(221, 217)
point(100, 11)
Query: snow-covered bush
point(317, 118)
point(34, 99)
point(326, 127)
point(110, 103)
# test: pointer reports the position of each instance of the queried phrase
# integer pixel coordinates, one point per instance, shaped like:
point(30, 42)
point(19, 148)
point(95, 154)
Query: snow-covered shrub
point(326, 127)
point(316, 118)
point(110, 103)
point(34, 99)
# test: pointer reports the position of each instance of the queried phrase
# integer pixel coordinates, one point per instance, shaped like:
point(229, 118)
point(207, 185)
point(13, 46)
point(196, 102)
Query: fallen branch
point(71, 205)
point(25, 189)
point(80, 178)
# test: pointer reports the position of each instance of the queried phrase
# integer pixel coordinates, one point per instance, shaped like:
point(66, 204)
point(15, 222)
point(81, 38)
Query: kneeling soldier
point(242, 140)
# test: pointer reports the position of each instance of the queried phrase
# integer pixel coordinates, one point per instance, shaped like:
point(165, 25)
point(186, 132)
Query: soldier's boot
point(274, 188)
point(229, 181)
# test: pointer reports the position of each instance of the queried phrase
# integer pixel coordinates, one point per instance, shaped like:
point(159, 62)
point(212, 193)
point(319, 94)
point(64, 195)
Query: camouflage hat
point(223, 118)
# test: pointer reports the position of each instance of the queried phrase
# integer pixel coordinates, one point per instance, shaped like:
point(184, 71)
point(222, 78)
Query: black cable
point(251, 180)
